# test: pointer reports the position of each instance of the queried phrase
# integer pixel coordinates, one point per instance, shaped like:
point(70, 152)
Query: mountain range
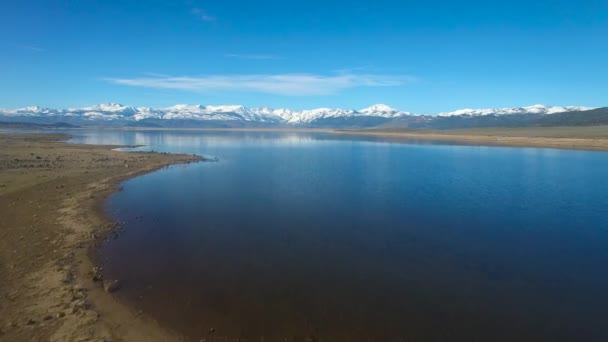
point(113, 114)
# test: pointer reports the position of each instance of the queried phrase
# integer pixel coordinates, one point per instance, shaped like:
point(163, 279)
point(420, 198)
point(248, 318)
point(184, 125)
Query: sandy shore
point(51, 193)
point(579, 138)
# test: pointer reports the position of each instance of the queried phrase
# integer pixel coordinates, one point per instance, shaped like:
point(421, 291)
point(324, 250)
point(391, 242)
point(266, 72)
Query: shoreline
point(569, 143)
point(569, 137)
point(56, 192)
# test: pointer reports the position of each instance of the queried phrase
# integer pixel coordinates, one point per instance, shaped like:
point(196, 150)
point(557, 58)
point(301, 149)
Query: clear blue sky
point(419, 56)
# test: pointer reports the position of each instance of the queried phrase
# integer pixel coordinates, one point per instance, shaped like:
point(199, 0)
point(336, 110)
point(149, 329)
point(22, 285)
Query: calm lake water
point(291, 236)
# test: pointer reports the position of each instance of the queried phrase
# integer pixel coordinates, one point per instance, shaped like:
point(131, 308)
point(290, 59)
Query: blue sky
point(418, 56)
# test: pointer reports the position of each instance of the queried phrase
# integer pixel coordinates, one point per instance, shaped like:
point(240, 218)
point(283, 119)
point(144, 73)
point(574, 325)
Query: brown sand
point(50, 196)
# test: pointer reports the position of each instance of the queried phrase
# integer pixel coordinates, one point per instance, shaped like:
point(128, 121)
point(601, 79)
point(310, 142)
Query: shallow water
point(294, 235)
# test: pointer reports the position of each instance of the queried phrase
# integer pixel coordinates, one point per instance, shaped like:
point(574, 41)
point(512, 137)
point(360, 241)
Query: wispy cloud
point(202, 14)
point(251, 56)
point(279, 84)
point(32, 48)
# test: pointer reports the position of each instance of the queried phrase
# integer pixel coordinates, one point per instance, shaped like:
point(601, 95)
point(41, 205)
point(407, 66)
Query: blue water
point(346, 238)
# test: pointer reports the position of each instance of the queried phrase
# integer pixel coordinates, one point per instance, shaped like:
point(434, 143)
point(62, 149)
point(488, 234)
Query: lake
point(296, 236)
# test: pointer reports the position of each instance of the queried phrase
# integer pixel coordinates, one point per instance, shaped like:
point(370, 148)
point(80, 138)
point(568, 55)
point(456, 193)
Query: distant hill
point(594, 117)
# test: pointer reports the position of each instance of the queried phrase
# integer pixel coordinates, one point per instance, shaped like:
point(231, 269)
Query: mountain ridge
point(186, 115)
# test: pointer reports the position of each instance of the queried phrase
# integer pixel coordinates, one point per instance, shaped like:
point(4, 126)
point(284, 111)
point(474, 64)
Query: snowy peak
point(28, 111)
point(184, 107)
point(307, 116)
point(111, 107)
point(31, 109)
point(542, 109)
point(282, 113)
point(381, 108)
point(107, 107)
point(227, 109)
point(534, 109)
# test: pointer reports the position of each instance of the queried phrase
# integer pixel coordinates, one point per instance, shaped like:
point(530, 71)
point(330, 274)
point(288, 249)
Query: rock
point(11, 296)
point(30, 322)
point(48, 318)
point(111, 285)
point(78, 288)
point(80, 304)
point(77, 296)
point(60, 315)
point(67, 277)
point(97, 276)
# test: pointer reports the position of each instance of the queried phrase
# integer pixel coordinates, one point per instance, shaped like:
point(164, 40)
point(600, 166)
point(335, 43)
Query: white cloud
point(202, 14)
point(280, 84)
point(251, 56)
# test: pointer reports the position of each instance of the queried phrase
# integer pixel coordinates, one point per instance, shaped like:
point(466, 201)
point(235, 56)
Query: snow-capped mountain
point(535, 109)
point(382, 110)
point(114, 111)
point(198, 112)
point(106, 107)
point(28, 111)
point(184, 115)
